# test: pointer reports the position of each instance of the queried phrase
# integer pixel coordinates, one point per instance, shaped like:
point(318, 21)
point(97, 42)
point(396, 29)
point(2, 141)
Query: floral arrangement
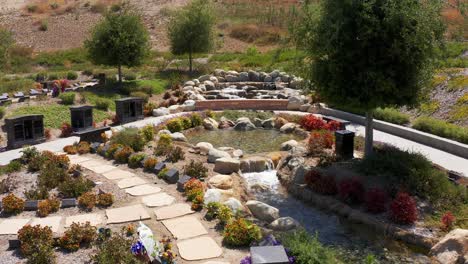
point(167, 255)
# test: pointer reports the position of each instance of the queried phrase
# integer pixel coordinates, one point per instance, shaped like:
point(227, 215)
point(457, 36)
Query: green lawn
point(158, 85)
point(54, 114)
point(92, 97)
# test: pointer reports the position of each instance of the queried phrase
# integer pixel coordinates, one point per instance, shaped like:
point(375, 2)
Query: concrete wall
point(427, 139)
point(242, 104)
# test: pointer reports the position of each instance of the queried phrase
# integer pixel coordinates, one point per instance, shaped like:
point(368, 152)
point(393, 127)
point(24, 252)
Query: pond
point(254, 141)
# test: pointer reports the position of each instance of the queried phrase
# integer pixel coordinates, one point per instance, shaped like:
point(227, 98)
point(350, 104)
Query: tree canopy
point(191, 29)
point(119, 40)
point(372, 53)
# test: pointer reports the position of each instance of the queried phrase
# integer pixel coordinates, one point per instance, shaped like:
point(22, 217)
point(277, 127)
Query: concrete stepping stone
point(75, 159)
point(91, 163)
point(93, 219)
point(141, 190)
point(53, 222)
point(185, 227)
point(102, 168)
point(172, 211)
point(11, 226)
point(130, 182)
point(159, 199)
point(118, 174)
point(200, 248)
point(126, 214)
point(216, 262)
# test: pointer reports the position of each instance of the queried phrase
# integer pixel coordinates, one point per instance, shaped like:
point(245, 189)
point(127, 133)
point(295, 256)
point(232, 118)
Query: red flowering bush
point(326, 185)
point(66, 130)
point(403, 209)
point(447, 220)
point(351, 190)
point(312, 177)
point(333, 125)
point(311, 122)
point(320, 140)
point(376, 198)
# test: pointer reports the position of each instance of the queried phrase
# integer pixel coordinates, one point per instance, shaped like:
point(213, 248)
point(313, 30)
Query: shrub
point(196, 169)
point(43, 208)
point(196, 120)
point(135, 160)
point(102, 104)
point(147, 132)
point(197, 202)
point(48, 133)
point(148, 109)
point(115, 250)
point(122, 155)
point(87, 200)
point(351, 190)
point(84, 147)
point(307, 249)
point(164, 145)
point(77, 236)
point(12, 204)
point(326, 185)
point(36, 243)
point(130, 76)
point(51, 176)
point(13, 166)
point(37, 193)
point(186, 123)
point(162, 173)
point(70, 149)
point(175, 155)
point(212, 210)
point(311, 122)
point(403, 209)
point(225, 214)
point(75, 187)
point(71, 75)
point(241, 232)
point(2, 112)
point(66, 130)
point(175, 125)
point(28, 154)
point(193, 184)
point(391, 115)
point(67, 98)
point(442, 129)
point(141, 95)
point(376, 200)
point(105, 199)
point(312, 177)
point(129, 137)
point(112, 149)
point(447, 220)
point(44, 25)
point(150, 163)
point(319, 140)
point(333, 125)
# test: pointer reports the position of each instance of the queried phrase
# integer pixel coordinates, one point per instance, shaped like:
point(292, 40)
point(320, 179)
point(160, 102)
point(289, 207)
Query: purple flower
point(246, 260)
point(137, 248)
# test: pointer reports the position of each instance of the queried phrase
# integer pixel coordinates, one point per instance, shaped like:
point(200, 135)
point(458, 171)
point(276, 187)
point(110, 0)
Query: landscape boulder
point(234, 204)
point(217, 195)
point(263, 211)
point(288, 128)
point(232, 78)
point(189, 105)
point(177, 136)
point(214, 154)
point(221, 181)
point(452, 248)
point(283, 224)
point(255, 164)
point(210, 86)
point(288, 145)
point(226, 165)
point(162, 111)
point(268, 123)
point(294, 103)
point(244, 124)
point(204, 146)
point(210, 124)
point(243, 77)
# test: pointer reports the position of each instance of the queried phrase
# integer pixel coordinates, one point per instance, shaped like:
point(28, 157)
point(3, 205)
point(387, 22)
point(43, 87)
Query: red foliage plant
point(351, 190)
point(333, 125)
point(312, 177)
point(403, 209)
point(448, 219)
point(376, 198)
point(320, 183)
point(311, 122)
point(320, 140)
point(47, 133)
point(66, 129)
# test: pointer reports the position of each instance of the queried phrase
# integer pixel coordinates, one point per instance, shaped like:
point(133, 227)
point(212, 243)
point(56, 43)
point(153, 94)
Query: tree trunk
point(369, 134)
point(120, 74)
point(190, 61)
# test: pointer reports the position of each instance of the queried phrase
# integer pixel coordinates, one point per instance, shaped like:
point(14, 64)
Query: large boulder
point(243, 77)
point(226, 165)
point(217, 195)
point(453, 248)
point(214, 154)
point(204, 147)
point(288, 128)
point(225, 123)
point(289, 144)
point(210, 124)
point(209, 85)
point(162, 111)
point(221, 181)
point(263, 211)
point(268, 123)
point(176, 109)
point(255, 164)
point(244, 124)
point(177, 136)
point(283, 224)
point(234, 204)
point(294, 103)
point(189, 105)
point(232, 78)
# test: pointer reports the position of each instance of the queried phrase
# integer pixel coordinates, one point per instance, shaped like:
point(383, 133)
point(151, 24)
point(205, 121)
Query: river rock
point(219, 73)
point(176, 109)
point(214, 154)
point(225, 123)
point(221, 181)
point(268, 123)
point(244, 124)
point(214, 79)
point(258, 122)
point(234, 204)
point(294, 103)
point(255, 164)
point(254, 76)
point(243, 77)
point(189, 105)
point(204, 147)
point(226, 165)
point(453, 248)
point(237, 153)
point(279, 122)
point(189, 83)
point(217, 195)
point(289, 144)
point(210, 124)
point(268, 78)
point(288, 128)
point(284, 224)
point(177, 136)
point(274, 74)
point(204, 78)
point(162, 111)
point(232, 78)
point(263, 211)
point(209, 85)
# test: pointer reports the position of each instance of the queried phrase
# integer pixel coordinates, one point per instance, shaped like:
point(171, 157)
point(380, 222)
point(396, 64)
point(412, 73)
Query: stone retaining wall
point(252, 104)
point(427, 139)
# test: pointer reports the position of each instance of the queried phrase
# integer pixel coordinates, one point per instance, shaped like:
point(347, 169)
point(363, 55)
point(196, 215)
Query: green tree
point(372, 53)
point(6, 42)
point(191, 29)
point(120, 39)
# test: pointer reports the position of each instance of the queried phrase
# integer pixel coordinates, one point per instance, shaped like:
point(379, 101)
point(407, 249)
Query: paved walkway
point(193, 241)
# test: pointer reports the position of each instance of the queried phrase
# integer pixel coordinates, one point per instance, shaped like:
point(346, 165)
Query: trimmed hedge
point(442, 129)
point(391, 115)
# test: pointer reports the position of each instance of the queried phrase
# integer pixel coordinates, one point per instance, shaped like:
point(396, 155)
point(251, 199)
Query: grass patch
point(15, 85)
point(95, 97)
point(442, 129)
point(391, 115)
point(430, 107)
point(457, 83)
point(459, 111)
point(54, 114)
point(158, 85)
